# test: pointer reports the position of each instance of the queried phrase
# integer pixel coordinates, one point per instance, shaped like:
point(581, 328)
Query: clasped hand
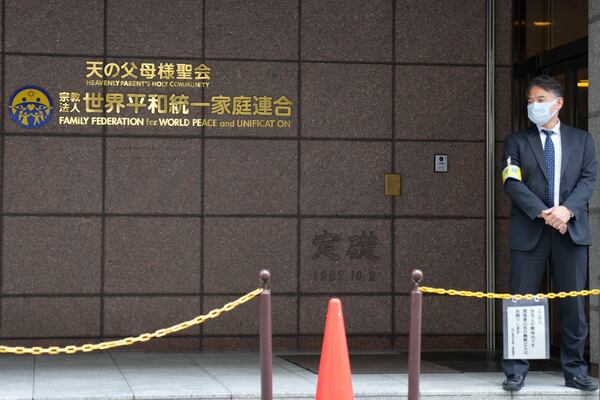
point(557, 217)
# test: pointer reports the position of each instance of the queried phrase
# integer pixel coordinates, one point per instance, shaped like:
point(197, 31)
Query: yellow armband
point(511, 171)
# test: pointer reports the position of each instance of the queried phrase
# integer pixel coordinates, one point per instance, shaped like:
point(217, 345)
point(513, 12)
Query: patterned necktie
point(549, 156)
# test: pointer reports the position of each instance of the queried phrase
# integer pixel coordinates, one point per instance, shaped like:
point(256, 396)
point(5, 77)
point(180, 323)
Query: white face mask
point(539, 113)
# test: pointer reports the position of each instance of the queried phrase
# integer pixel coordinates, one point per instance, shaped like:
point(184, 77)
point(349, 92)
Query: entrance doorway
point(550, 37)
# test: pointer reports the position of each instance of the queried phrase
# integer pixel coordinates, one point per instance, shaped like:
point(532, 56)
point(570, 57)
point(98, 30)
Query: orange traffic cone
point(335, 379)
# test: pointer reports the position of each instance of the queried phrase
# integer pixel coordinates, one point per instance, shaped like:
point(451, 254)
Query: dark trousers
point(568, 269)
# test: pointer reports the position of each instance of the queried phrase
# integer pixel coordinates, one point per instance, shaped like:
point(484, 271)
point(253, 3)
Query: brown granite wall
point(108, 231)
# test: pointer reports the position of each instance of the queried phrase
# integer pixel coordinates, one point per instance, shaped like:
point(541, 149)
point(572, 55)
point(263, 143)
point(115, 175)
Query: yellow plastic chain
point(468, 293)
point(131, 340)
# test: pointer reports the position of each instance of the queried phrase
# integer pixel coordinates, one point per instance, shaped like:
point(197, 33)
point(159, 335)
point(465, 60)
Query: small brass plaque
point(392, 185)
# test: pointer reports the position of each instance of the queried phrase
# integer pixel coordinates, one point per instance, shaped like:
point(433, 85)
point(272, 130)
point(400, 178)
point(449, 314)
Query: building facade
point(223, 137)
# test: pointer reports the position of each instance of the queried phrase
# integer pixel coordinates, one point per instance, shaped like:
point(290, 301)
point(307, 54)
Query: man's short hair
point(547, 83)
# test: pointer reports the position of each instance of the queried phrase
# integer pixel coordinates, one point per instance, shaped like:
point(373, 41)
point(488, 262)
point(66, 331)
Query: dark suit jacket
point(577, 180)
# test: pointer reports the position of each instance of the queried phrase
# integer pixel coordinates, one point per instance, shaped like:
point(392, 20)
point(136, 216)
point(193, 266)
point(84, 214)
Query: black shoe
point(513, 383)
point(582, 382)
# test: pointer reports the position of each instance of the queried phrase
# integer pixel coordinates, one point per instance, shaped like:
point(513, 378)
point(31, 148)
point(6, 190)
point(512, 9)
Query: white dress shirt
point(557, 156)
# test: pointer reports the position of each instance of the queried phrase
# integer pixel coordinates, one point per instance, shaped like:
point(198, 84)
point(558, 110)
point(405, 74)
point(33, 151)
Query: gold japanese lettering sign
point(158, 94)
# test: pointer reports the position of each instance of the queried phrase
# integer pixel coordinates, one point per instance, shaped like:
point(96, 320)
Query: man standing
point(549, 173)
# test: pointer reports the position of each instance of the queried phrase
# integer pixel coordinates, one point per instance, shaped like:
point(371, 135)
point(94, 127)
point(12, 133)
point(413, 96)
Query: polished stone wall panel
point(440, 32)
point(49, 175)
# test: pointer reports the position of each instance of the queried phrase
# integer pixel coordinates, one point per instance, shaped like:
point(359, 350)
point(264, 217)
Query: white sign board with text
point(526, 333)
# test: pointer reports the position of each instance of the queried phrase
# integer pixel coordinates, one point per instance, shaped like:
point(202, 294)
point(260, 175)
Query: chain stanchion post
point(414, 339)
point(266, 339)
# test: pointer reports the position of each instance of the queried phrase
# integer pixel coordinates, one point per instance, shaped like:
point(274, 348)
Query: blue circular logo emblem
point(30, 107)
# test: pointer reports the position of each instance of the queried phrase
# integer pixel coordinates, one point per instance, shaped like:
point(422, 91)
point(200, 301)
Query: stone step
point(121, 375)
